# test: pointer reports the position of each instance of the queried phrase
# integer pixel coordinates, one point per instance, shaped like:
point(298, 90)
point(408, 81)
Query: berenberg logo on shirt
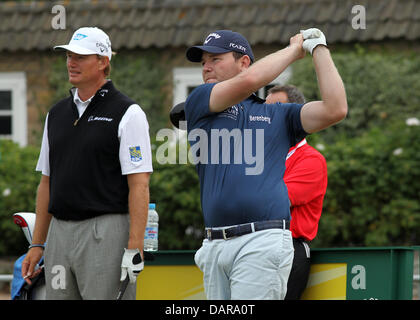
point(260, 118)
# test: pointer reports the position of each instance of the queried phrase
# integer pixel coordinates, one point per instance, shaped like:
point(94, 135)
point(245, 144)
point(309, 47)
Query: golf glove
point(132, 264)
point(312, 38)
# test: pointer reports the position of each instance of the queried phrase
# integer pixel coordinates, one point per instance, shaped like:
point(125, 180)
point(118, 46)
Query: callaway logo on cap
point(89, 40)
point(221, 41)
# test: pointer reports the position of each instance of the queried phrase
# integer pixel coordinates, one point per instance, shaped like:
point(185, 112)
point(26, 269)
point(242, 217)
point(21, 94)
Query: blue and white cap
point(89, 40)
point(221, 41)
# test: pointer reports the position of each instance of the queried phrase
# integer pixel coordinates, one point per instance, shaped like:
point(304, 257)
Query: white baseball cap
point(88, 40)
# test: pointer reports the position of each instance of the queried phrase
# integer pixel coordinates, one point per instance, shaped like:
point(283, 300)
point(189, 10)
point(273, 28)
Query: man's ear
point(103, 62)
point(245, 62)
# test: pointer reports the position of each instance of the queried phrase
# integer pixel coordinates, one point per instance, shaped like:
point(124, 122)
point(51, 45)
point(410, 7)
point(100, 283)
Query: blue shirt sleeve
point(293, 121)
point(197, 106)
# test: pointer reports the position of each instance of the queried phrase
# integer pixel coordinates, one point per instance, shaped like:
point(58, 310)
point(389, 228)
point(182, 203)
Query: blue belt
point(240, 230)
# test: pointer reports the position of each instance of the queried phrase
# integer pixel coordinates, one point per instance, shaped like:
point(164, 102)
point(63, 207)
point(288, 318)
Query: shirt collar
point(107, 87)
point(293, 149)
point(77, 99)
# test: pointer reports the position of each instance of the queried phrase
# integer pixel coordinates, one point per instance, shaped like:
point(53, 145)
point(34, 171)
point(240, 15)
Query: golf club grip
point(123, 286)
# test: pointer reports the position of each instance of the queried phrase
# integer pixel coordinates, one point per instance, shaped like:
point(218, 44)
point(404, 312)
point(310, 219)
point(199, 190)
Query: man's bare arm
point(318, 115)
point(138, 203)
point(42, 223)
point(232, 91)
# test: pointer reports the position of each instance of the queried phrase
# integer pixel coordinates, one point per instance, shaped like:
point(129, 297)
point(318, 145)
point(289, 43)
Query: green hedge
point(18, 186)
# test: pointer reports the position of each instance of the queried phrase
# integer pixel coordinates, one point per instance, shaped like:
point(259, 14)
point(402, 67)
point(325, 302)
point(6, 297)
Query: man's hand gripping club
point(132, 264)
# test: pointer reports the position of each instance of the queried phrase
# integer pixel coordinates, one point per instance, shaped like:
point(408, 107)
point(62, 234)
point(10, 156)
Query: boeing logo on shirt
point(94, 118)
point(260, 118)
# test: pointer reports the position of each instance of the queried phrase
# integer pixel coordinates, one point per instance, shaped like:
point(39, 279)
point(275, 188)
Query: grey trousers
point(83, 258)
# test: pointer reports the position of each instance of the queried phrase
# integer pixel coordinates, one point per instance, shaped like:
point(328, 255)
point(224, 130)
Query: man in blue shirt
point(238, 141)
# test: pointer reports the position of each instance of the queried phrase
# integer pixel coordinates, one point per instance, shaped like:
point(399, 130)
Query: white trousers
point(253, 266)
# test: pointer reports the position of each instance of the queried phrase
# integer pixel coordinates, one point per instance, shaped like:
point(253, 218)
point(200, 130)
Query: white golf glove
point(312, 37)
point(132, 264)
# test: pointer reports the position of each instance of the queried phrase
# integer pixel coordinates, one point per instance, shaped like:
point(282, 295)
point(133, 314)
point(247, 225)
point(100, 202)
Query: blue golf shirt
point(240, 157)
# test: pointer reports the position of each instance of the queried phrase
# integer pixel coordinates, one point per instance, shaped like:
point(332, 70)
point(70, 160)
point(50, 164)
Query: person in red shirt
point(306, 180)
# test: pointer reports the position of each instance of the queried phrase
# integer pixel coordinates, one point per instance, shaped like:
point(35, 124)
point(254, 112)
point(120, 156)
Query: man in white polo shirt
point(93, 197)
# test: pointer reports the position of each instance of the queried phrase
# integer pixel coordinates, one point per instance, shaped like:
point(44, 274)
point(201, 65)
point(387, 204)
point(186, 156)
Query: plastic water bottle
point(152, 229)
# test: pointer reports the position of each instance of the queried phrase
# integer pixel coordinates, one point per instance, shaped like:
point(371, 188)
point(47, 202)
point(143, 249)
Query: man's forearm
point(330, 84)
point(270, 67)
point(138, 203)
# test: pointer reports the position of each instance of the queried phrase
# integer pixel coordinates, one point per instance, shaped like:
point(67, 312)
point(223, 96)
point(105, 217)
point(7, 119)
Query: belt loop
point(284, 224)
point(224, 234)
point(252, 226)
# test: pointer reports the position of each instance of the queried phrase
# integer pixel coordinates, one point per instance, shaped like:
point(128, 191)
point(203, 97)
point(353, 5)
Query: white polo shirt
point(133, 131)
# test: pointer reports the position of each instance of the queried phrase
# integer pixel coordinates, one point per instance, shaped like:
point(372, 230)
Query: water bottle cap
point(152, 206)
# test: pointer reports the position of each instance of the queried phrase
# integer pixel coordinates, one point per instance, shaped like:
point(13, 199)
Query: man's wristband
point(36, 245)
